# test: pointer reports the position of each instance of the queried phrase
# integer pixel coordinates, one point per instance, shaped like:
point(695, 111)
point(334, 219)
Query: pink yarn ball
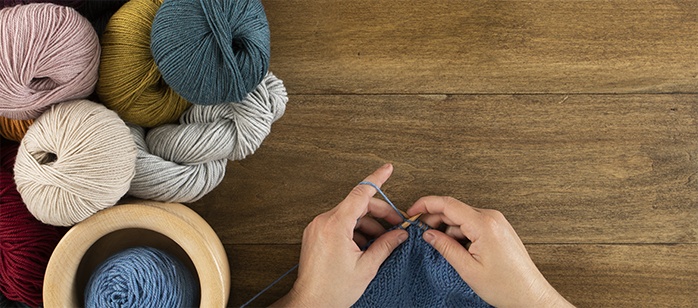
point(48, 54)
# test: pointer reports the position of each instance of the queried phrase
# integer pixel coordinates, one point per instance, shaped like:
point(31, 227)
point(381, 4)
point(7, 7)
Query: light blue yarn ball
point(141, 277)
point(211, 51)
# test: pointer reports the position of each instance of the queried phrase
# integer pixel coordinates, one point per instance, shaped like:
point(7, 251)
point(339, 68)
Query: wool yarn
point(141, 277)
point(76, 159)
point(14, 129)
point(182, 163)
point(25, 243)
point(129, 81)
point(417, 275)
point(211, 52)
point(6, 303)
point(70, 3)
point(48, 54)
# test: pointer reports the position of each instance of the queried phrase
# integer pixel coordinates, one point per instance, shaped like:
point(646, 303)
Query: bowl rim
point(173, 220)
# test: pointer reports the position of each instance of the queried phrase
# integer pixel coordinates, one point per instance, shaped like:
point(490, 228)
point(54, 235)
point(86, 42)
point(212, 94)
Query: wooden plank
point(563, 169)
point(509, 46)
point(587, 275)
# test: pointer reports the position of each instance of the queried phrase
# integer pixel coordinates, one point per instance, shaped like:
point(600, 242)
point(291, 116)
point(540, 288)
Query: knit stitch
point(416, 275)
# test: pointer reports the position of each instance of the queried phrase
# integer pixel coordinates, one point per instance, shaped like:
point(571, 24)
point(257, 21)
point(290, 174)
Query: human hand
point(333, 270)
point(496, 265)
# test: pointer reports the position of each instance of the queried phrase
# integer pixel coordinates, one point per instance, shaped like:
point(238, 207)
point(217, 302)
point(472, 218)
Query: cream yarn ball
point(76, 159)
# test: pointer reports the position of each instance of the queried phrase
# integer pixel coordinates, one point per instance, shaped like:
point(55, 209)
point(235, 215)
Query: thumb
point(381, 249)
point(459, 257)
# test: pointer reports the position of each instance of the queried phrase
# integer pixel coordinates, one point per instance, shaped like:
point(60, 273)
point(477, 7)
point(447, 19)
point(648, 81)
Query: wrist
point(551, 298)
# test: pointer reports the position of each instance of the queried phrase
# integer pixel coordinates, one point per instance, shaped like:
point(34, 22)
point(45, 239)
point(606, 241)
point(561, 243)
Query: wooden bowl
point(171, 227)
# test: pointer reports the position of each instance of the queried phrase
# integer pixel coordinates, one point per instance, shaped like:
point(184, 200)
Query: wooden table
point(576, 119)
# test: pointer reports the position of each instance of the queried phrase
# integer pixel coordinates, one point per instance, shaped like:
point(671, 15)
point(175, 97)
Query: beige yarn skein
point(76, 159)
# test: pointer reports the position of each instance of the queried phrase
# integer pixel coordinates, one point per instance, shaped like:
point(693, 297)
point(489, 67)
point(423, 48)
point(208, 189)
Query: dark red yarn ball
point(26, 244)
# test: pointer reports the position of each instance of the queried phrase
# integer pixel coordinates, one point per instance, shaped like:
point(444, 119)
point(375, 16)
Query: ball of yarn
point(71, 3)
point(129, 81)
point(14, 129)
point(211, 52)
point(141, 277)
point(182, 163)
point(76, 159)
point(6, 303)
point(25, 243)
point(48, 54)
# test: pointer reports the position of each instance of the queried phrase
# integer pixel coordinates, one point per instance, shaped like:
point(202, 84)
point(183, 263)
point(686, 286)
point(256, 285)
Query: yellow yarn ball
point(12, 129)
point(129, 80)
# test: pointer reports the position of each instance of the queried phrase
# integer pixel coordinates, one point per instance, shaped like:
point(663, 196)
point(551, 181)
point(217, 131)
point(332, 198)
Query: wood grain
point(577, 119)
point(457, 47)
point(587, 275)
point(563, 169)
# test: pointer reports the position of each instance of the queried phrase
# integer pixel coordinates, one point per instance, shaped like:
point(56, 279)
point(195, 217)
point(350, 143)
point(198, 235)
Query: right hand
point(496, 265)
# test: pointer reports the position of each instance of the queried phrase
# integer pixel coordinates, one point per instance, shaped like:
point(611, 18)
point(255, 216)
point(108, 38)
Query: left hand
point(334, 271)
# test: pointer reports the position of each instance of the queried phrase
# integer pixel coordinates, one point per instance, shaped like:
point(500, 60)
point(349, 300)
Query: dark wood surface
point(577, 119)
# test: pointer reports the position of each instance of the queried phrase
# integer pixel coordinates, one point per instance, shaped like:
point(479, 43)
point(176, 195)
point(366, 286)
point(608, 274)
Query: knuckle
point(360, 191)
point(452, 202)
point(493, 219)
point(496, 215)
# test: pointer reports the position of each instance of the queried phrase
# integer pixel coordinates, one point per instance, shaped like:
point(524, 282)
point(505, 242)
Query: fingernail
point(429, 237)
point(402, 237)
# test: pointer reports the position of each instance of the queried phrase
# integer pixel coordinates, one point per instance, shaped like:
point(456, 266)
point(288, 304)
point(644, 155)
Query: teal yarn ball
point(211, 51)
point(141, 277)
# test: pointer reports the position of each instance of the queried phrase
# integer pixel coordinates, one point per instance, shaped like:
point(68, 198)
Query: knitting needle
point(413, 218)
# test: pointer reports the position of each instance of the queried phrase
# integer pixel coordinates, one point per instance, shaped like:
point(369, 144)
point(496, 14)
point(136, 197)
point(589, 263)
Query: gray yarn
point(184, 162)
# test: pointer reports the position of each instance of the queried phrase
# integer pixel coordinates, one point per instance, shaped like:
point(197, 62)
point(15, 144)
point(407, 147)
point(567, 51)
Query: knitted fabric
point(416, 275)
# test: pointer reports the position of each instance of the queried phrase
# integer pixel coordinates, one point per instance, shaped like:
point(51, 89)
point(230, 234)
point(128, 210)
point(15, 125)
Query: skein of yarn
point(211, 52)
point(14, 129)
point(25, 243)
point(129, 81)
point(76, 159)
point(182, 163)
point(49, 54)
point(142, 277)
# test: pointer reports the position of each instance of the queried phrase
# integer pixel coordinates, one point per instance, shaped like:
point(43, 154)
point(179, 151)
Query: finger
point(461, 260)
point(381, 248)
point(355, 205)
point(455, 232)
point(432, 220)
point(370, 227)
point(452, 211)
point(381, 209)
point(360, 240)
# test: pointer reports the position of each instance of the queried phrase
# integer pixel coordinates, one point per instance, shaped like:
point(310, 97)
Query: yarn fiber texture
point(70, 3)
point(182, 163)
point(76, 159)
point(48, 54)
point(141, 277)
point(15, 130)
point(25, 243)
point(6, 303)
point(129, 81)
point(416, 275)
point(211, 52)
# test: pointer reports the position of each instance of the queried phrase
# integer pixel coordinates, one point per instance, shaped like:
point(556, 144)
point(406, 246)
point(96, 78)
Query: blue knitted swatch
point(416, 275)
